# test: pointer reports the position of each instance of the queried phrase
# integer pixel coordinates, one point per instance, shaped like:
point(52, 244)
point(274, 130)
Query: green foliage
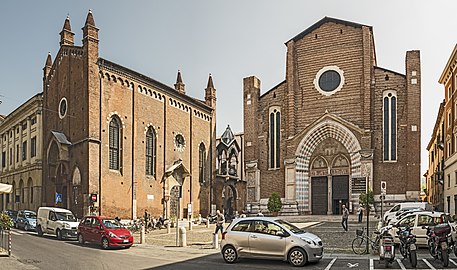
point(366, 200)
point(5, 221)
point(274, 203)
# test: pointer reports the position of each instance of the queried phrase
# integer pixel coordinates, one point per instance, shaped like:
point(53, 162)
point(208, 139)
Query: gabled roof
point(321, 22)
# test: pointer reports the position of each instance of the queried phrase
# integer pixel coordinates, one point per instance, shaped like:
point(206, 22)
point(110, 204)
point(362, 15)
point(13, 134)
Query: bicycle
point(359, 244)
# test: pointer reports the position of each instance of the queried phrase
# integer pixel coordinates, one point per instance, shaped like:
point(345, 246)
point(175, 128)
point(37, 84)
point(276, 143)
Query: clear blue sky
point(230, 39)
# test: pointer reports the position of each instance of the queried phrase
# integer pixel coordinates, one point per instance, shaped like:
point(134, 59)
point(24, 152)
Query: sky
point(229, 39)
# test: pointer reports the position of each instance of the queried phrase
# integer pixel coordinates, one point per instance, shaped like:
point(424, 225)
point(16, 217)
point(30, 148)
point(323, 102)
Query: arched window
point(201, 163)
point(114, 143)
point(390, 126)
point(151, 148)
point(274, 136)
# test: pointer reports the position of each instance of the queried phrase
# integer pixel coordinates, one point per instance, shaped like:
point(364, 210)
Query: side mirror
point(100, 227)
point(424, 227)
point(280, 234)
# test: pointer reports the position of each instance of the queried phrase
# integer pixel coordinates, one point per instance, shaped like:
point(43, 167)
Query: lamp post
point(368, 208)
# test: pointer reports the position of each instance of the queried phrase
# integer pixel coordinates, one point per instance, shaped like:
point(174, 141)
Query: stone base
point(288, 208)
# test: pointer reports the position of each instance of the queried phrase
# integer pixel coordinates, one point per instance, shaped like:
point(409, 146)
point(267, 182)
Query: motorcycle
point(438, 242)
point(386, 248)
point(408, 244)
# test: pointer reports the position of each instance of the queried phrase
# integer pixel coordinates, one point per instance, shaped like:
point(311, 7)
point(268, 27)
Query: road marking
point(371, 264)
point(452, 261)
point(330, 264)
point(401, 264)
point(428, 264)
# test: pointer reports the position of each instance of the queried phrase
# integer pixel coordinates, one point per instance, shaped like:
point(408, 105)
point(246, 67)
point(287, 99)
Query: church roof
point(321, 22)
point(106, 64)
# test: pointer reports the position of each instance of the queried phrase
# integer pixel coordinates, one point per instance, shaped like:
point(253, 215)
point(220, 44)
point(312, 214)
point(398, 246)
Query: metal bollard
point(190, 225)
point(9, 242)
point(168, 228)
point(182, 237)
point(215, 240)
point(142, 235)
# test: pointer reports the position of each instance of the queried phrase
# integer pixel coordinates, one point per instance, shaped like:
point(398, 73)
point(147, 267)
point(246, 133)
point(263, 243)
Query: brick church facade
point(336, 125)
point(122, 136)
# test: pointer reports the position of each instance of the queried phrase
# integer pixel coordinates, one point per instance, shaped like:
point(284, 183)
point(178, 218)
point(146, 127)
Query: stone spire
point(210, 93)
point(66, 36)
point(179, 85)
point(47, 66)
point(90, 19)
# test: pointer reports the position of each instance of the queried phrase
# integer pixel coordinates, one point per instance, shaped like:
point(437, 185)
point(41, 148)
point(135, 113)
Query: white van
point(399, 206)
point(58, 221)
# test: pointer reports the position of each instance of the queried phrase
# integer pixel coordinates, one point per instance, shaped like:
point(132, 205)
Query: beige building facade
point(449, 80)
point(20, 158)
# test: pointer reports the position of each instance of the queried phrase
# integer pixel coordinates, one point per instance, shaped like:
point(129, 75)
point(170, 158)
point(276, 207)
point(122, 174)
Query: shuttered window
point(114, 144)
point(151, 149)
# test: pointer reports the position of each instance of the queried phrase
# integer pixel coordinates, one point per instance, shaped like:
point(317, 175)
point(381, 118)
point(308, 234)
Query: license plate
point(125, 241)
point(387, 255)
point(412, 247)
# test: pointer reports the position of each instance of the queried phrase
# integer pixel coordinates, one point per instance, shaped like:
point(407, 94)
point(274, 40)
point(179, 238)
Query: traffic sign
point(93, 197)
point(383, 187)
point(58, 197)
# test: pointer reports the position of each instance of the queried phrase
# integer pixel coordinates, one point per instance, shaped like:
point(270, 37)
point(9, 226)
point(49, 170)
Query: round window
point(329, 80)
point(62, 108)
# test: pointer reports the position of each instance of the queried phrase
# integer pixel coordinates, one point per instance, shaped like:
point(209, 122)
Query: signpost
point(383, 194)
point(58, 197)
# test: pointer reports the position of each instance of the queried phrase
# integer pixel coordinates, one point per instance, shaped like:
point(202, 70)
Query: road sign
point(58, 197)
point(93, 197)
point(383, 187)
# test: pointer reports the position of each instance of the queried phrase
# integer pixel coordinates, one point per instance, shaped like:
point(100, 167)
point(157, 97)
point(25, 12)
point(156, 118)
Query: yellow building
point(20, 159)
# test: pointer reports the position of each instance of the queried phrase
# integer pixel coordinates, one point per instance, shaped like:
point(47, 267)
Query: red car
point(106, 231)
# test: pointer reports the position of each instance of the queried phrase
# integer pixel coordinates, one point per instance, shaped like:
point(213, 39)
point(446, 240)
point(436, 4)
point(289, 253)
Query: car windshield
point(65, 216)
point(30, 215)
point(290, 227)
point(111, 224)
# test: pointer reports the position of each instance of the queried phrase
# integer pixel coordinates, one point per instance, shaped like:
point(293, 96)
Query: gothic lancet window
point(201, 163)
point(114, 143)
point(274, 137)
point(151, 149)
point(390, 126)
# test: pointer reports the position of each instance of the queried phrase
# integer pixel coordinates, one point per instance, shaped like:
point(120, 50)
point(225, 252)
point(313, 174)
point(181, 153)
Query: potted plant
point(274, 203)
point(5, 221)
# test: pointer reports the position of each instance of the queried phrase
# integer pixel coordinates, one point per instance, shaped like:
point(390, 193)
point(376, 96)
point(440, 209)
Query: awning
point(61, 138)
point(5, 188)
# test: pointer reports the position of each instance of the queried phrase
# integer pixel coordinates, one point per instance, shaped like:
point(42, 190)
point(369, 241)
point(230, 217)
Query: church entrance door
point(340, 192)
point(319, 195)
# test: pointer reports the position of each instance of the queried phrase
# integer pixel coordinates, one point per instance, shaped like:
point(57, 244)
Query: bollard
point(168, 228)
point(142, 235)
point(215, 240)
point(190, 225)
point(9, 242)
point(182, 237)
point(207, 223)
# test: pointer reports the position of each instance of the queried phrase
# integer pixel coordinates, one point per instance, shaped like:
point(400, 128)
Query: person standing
point(360, 213)
point(345, 216)
point(220, 219)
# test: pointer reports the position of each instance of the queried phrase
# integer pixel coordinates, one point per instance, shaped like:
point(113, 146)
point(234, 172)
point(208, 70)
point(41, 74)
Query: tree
point(366, 199)
point(274, 203)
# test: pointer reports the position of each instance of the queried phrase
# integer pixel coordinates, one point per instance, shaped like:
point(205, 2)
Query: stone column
point(330, 193)
point(39, 137)
point(29, 140)
point(20, 145)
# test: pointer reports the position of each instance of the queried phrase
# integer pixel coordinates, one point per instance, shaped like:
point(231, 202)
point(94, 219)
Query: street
point(33, 252)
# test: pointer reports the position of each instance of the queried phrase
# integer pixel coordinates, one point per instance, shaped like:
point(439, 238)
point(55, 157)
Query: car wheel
point(229, 254)
point(39, 231)
point(26, 227)
point(105, 243)
point(59, 234)
point(81, 239)
point(297, 257)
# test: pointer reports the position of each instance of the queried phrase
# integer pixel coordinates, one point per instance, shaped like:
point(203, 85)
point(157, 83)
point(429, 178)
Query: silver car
point(266, 237)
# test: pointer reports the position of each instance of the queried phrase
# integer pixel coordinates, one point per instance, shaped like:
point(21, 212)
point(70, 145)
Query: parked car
point(389, 214)
point(26, 220)
point(58, 221)
point(401, 213)
point(419, 219)
point(13, 215)
point(267, 237)
point(107, 232)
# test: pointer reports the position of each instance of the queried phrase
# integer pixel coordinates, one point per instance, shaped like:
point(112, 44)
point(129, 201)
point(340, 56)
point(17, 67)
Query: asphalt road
point(33, 252)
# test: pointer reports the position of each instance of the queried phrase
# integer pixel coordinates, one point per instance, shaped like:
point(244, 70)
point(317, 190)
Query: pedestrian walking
point(360, 213)
point(220, 219)
point(344, 220)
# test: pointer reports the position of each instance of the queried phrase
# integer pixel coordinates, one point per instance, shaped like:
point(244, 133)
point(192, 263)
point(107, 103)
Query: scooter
point(408, 244)
point(386, 247)
point(438, 242)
